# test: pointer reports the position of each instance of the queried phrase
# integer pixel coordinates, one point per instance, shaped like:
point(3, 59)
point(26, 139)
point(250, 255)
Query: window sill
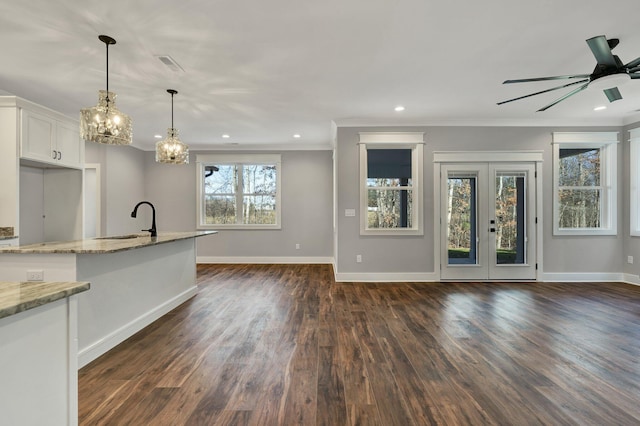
point(392, 232)
point(584, 232)
point(240, 227)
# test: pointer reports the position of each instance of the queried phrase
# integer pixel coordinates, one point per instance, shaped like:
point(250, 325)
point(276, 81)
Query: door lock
point(492, 229)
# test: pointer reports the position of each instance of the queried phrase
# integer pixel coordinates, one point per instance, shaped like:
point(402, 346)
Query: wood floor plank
point(331, 408)
point(285, 345)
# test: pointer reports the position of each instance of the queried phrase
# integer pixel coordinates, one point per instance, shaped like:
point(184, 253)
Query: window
point(390, 183)
point(634, 170)
point(584, 197)
point(238, 191)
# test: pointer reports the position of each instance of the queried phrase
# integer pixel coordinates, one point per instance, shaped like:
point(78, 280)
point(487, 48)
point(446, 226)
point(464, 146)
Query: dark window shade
point(564, 152)
point(389, 163)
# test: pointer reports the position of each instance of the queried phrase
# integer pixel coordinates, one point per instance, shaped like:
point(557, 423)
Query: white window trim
point(634, 179)
point(388, 140)
point(608, 143)
point(206, 159)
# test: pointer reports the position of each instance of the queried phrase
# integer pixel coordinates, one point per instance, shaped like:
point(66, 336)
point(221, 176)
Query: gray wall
point(306, 208)
point(130, 175)
point(122, 180)
point(31, 205)
point(631, 246)
point(415, 254)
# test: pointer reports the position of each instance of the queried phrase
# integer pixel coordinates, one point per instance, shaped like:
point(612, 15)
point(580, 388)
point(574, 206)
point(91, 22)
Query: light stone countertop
point(105, 244)
point(16, 297)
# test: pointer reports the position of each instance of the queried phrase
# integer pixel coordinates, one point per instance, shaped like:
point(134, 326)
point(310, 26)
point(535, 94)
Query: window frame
point(384, 140)
point(634, 180)
point(236, 159)
point(607, 142)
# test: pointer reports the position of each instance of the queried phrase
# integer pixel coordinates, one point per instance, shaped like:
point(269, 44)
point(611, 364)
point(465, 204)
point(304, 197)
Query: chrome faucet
point(153, 231)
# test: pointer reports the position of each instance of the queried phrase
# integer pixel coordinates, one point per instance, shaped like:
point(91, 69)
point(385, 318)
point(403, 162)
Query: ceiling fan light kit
point(104, 123)
point(608, 74)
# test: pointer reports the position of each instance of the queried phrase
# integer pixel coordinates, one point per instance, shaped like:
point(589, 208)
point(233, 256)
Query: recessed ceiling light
point(600, 108)
point(157, 136)
point(399, 108)
point(226, 136)
point(297, 136)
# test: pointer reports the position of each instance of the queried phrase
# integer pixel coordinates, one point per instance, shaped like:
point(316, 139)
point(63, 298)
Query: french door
point(488, 221)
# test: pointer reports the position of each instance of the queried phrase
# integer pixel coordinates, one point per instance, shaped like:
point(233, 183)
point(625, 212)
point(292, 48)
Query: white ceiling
point(262, 70)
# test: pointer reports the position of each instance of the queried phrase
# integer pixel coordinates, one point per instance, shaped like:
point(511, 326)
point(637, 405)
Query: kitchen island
point(38, 352)
point(135, 279)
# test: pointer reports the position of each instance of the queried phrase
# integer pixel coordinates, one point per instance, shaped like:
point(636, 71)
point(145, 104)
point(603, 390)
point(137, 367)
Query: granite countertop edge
point(104, 244)
point(16, 297)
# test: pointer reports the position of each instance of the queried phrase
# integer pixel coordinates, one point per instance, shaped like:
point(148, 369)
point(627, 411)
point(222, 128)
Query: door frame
point(98, 198)
point(460, 157)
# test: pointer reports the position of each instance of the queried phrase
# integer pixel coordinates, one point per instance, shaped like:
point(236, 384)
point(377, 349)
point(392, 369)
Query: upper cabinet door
point(69, 146)
point(37, 141)
point(50, 140)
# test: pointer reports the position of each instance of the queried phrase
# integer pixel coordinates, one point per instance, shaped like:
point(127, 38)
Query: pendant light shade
point(172, 150)
point(104, 123)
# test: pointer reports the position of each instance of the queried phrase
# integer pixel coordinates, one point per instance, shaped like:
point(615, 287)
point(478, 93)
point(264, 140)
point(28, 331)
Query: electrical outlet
point(629, 259)
point(358, 258)
point(35, 275)
point(297, 246)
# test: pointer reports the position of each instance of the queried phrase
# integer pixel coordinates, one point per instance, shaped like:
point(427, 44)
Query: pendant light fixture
point(104, 123)
point(172, 150)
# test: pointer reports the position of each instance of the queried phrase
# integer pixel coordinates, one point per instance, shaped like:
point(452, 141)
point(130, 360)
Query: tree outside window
point(585, 183)
point(579, 188)
point(390, 190)
point(390, 179)
point(239, 193)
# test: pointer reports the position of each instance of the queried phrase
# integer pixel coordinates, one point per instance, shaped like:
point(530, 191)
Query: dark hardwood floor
point(286, 345)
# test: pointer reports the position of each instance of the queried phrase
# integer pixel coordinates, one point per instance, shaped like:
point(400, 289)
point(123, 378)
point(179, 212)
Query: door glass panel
point(461, 220)
point(510, 218)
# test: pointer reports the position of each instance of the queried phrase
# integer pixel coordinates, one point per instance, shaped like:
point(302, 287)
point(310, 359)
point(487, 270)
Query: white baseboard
point(263, 259)
point(632, 279)
point(386, 277)
point(408, 276)
point(583, 276)
point(94, 350)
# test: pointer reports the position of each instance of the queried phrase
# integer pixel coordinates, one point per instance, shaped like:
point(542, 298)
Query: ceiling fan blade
point(613, 94)
point(602, 51)
point(557, 101)
point(543, 91)
point(633, 63)
point(634, 75)
point(557, 77)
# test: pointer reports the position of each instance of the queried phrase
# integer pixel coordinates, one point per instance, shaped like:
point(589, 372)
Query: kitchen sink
point(119, 237)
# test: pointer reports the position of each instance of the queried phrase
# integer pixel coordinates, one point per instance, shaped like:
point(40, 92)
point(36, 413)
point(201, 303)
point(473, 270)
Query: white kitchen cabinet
point(29, 135)
point(52, 140)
